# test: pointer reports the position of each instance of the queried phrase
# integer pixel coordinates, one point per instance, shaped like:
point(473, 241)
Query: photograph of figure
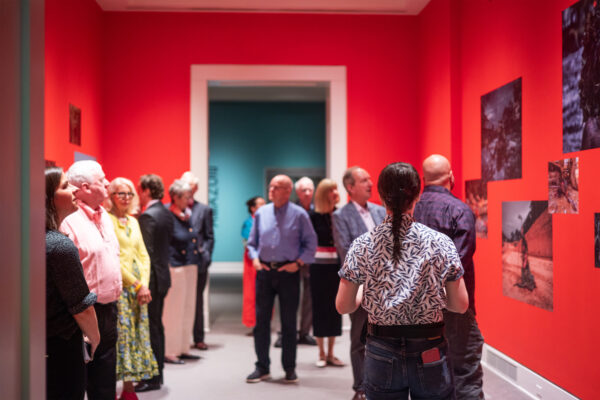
point(581, 79)
point(597, 240)
point(527, 273)
point(563, 186)
point(476, 199)
point(501, 133)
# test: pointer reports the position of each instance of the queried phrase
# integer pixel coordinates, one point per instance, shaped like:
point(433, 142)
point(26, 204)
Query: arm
point(457, 297)
point(143, 293)
point(464, 235)
point(89, 326)
point(349, 297)
point(253, 245)
point(209, 235)
point(341, 236)
point(308, 240)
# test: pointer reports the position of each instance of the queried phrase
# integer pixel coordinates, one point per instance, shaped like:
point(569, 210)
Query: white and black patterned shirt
point(408, 292)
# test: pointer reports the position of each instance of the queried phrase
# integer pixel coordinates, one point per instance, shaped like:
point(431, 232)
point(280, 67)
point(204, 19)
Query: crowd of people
point(129, 291)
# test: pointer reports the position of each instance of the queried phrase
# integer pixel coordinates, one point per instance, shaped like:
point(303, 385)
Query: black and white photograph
point(476, 198)
point(563, 186)
point(597, 240)
point(527, 268)
point(501, 145)
point(581, 76)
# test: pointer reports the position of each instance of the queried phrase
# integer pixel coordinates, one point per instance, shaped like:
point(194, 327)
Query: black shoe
point(278, 341)
point(257, 376)
point(176, 361)
point(146, 387)
point(290, 377)
point(307, 339)
point(187, 356)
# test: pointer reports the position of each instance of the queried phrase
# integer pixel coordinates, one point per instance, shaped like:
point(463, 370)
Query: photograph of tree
point(527, 253)
point(501, 133)
point(581, 76)
point(597, 240)
point(476, 198)
point(563, 186)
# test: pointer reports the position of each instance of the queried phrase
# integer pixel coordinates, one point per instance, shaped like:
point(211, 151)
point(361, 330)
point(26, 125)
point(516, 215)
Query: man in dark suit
point(202, 220)
point(349, 222)
point(156, 225)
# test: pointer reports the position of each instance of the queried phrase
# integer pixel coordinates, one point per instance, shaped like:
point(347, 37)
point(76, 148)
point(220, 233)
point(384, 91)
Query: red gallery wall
point(73, 72)
point(497, 42)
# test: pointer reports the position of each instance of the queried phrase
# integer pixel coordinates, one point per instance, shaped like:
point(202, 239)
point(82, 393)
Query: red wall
point(147, 102)
point(73, 76)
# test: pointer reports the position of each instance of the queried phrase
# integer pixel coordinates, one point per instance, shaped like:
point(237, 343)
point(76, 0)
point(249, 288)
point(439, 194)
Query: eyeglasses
point(123, 195)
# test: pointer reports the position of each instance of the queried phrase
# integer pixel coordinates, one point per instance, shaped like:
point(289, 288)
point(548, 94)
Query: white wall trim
point(531, 384)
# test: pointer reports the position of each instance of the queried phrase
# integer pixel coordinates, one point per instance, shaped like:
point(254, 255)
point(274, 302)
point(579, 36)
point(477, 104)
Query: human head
point(151, 188)
point(437, 171)
point(254, 204)
point(87, 175)
point(60, 199)
point(304, 190)
point(191, 180)
point(180, 193)
point(326, 196)
point(358, 184)
point(122, 196)
point(280, 190)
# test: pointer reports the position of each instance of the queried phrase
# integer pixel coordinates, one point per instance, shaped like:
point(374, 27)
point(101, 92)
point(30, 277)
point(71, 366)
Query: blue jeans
point(394, 368)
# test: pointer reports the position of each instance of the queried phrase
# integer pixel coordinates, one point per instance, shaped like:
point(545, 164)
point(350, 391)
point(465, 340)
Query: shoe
point(278, 341)
point(146, 387)
point(188, 356)
point(335, 362)
point(200, 346)
point(290, 377)
point(257, 376)
point(321, 363)
point(176, 361)
point(128, 396)
point(359, 395)
point(307, 339)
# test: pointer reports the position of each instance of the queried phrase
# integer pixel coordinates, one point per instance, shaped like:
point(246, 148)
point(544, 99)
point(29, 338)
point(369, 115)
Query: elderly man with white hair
point(91, 229)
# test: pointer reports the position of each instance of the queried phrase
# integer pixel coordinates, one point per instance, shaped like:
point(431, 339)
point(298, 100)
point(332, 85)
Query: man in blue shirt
point(282, 239)
point(440, 210)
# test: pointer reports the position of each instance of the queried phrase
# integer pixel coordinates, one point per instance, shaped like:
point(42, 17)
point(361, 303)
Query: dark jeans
point(65, 369)
point(358, 329)
point(101, 381)
point(157, 332)
point(199, 321)
point(394, 368)
point(287, 286)
point(466, 344)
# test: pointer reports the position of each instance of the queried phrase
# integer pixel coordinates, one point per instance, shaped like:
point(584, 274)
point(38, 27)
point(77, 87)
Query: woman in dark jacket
point(68, 299)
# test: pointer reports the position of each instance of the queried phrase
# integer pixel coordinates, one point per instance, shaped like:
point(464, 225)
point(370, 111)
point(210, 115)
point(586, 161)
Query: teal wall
point(246, 137)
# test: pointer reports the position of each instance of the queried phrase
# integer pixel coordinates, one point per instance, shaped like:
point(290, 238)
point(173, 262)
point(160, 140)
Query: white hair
point(305, 180)
point(178, 188)
point(84, 171)
point(190, 178)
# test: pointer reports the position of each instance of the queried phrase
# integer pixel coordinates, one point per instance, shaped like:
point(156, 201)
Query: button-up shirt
point(282, 234)
point(440, 210)
point(365, 215)
point(93, 233)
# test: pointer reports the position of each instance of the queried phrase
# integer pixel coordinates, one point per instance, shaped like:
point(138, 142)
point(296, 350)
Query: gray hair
point(84, 171)
point(190, 178)
point(348, 179)
point(178, 188)
point(305, 180)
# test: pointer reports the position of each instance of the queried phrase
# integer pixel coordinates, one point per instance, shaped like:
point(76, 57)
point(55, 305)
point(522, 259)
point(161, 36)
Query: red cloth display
point(249, 292)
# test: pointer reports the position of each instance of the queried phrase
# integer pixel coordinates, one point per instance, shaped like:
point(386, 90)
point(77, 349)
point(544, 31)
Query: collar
point(437, 189)
point(151, 203)
point(359, 208)
point(281, 209)
point(94, 215)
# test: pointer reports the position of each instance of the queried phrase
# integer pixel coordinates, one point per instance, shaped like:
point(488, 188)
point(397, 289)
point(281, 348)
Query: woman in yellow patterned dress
point(135, 360)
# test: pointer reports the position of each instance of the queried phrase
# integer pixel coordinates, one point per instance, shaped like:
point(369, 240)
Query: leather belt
point(275, 265)
point(424, 331)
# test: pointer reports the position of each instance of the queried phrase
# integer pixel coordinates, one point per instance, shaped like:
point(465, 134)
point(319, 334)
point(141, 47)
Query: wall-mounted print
point(74, 125)
point(563, 186)
point(597, 240)
point(476, 196)
point(527, 252)
point(501, 133)
point(581, 76)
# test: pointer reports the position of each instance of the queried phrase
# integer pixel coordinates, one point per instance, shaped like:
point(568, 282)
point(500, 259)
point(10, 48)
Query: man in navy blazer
point(349, 222)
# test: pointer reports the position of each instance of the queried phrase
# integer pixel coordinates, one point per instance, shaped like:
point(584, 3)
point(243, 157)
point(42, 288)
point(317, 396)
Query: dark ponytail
point(398, 186)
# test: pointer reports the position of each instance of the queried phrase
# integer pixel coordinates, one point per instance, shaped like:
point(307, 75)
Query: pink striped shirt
point(93, 233)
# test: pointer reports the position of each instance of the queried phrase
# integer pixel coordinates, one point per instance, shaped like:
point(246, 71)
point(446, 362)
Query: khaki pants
point(180, 310)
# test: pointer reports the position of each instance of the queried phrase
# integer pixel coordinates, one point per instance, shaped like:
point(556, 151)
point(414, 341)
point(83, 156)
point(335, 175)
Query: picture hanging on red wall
point(501, 133)
point(527, 270)
point(74, 125)
point(563, 186)
point(581, 76)
point(476, 198)
point(597, 240)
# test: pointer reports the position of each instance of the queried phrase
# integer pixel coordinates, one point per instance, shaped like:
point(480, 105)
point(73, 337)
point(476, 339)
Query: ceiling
point(394, 7)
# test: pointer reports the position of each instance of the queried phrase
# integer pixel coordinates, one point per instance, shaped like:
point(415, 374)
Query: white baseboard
point(521, 377)
point(227, 268)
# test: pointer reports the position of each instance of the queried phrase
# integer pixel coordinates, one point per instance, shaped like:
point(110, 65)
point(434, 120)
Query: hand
point(290, 267)
point(94, 345)
point(144, 296)
point(259, 266)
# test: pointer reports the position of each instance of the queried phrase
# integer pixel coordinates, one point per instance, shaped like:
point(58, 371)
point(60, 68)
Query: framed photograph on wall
point(74, 125)
point(563, 186)
point(476, 199)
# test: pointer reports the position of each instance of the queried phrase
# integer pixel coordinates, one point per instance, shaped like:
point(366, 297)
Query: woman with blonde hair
point(135, 360)
point(324, 279)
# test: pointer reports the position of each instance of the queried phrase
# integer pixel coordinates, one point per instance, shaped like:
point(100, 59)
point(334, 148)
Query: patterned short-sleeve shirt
point(408, 292)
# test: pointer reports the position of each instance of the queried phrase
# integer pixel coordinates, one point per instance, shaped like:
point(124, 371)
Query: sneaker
point(257, 376)
point(307, 339)
point(290, 377)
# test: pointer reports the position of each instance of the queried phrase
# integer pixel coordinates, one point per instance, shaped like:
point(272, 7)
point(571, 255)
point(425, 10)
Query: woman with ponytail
point(403, 274)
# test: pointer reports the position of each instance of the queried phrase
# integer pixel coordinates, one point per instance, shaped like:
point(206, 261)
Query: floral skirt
point(135, 360)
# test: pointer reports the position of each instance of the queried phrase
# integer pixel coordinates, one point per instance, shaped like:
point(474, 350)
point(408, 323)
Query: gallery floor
point(220, 373)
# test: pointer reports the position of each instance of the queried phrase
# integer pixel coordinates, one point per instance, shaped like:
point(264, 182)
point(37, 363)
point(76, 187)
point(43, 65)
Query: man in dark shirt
point(440, 210)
